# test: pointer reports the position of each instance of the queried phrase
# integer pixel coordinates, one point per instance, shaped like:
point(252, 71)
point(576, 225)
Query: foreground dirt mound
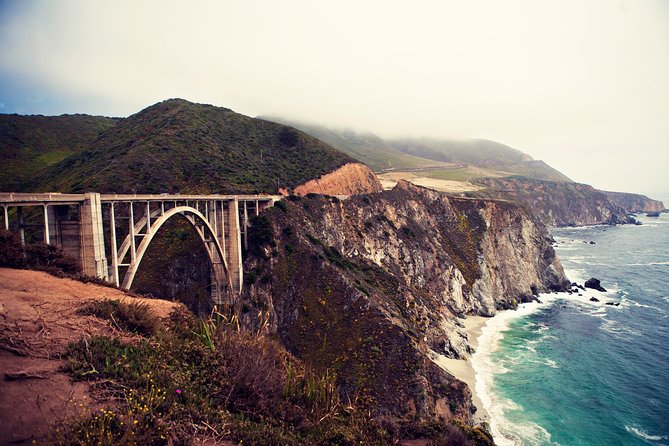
point(38, 319)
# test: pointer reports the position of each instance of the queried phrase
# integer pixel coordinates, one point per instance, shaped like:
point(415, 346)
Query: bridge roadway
point(90, 226)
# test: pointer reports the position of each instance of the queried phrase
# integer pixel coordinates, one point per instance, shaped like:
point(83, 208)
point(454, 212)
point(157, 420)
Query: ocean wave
point(649, 264)
point(544, 361)
point(645, 435)
point(626, 302)
point(616, 328)
point(507, 430)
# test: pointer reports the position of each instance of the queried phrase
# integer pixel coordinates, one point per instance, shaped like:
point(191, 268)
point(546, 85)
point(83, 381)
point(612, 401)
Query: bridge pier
point(93, 258)
point(233, 244)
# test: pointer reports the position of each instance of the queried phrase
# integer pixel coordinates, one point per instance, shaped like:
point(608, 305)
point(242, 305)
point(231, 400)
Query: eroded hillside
point(369, 286)
point(557, 203)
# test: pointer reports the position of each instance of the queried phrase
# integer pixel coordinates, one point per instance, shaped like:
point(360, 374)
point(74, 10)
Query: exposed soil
point(38, 319)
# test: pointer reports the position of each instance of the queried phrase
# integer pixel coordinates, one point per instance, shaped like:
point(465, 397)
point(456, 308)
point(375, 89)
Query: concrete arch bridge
point(110, 234)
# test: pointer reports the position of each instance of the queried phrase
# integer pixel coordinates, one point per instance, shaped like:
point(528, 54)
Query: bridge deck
point(35, 199)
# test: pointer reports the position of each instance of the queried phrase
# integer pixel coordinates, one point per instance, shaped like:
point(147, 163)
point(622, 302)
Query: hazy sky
point(581, 84)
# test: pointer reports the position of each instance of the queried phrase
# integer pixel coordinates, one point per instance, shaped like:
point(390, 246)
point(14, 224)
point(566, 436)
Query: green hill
point(434, 158)
point(31, 143)
point(481, 153)
point(179, 146)
point(363, 146)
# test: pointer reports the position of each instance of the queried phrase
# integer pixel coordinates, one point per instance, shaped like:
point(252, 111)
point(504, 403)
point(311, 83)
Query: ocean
point(570, 371)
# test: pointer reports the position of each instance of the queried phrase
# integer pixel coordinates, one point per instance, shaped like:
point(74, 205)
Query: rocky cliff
point(557, 203)
point(349, 179)
point(634, 202)
point(369, 286)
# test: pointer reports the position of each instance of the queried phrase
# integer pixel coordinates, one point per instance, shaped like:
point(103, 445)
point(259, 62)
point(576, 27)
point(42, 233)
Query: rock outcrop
point(557, 203)
point(634, 202)
point(595, 284)
point(369, 286)
point(349, 179)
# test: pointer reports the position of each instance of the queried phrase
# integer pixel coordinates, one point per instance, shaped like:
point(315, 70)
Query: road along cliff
point(370, 286)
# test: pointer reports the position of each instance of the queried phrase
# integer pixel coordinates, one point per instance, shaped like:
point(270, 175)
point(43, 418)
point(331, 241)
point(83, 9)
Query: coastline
point(463, 369)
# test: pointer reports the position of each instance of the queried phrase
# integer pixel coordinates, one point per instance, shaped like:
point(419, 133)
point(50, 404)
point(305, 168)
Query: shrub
point(289, 137)
point(208, 375)
point(135, 316)
point(38, 256)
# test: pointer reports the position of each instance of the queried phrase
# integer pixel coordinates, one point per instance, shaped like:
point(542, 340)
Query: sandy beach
point(462, 368)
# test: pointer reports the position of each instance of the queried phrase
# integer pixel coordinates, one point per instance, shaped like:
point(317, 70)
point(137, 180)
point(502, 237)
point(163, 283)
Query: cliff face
point(350, 179)
point(634, 202)
point(558, 203)
point(369, 286)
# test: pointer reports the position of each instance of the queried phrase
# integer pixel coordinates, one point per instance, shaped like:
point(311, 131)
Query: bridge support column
point(52, 223)
point(92, 251)
point(22, 229)
point(233, 249)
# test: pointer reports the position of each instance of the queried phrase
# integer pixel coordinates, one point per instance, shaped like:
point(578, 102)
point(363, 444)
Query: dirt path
point(38, 319)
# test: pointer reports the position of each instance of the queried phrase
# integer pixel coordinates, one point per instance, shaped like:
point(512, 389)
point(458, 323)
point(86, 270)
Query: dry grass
point(136, 317)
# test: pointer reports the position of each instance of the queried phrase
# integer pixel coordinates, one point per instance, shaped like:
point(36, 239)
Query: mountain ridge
point(180, 146)
point(410, 153)
point(31, 143)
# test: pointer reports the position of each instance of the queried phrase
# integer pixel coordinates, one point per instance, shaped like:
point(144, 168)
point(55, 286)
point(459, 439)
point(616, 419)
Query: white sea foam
point(645, 435)
point(506, 429)
point(625, 302)
point(616, 328)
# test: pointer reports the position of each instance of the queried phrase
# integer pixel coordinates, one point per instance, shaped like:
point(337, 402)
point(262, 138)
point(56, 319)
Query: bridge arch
point(206, 234)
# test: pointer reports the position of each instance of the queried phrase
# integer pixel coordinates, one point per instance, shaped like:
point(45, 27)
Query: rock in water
point(595, 284)
point(594, 299)
point(653, 214)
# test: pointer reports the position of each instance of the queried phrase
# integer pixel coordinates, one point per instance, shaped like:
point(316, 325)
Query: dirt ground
point(38, 319)
point(388, 182)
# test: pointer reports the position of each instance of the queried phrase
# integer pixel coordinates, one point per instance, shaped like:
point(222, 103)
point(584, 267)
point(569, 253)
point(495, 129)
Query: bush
point(207, 375)
point(37, 256)
point(135, 316)
point(12, 254)
point(207, 372)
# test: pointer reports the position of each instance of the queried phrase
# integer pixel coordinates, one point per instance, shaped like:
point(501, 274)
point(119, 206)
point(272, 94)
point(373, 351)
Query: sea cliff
point(370, 286)
point(635, 202)
point(557, 203)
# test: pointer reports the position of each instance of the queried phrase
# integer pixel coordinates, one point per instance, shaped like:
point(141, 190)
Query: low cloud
point(581, 85)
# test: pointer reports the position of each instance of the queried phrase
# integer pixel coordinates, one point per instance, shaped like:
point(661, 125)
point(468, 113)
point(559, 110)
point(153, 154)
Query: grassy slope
point(421, 153)
point(481, 153)
point(179, 146)
point(30, 143)
point(366, 147)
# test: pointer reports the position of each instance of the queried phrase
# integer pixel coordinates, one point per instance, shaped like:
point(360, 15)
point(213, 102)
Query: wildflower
point(178, 391)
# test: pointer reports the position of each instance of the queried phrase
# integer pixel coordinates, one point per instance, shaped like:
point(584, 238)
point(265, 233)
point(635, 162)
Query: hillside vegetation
point(31, 143)
point(365, 147)
point(179, 146)
point(432, 157)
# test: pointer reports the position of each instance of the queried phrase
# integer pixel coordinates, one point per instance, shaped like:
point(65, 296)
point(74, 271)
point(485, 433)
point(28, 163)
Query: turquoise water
point(574, 372)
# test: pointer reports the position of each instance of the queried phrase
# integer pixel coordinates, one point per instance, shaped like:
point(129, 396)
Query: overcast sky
point(581, 84)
